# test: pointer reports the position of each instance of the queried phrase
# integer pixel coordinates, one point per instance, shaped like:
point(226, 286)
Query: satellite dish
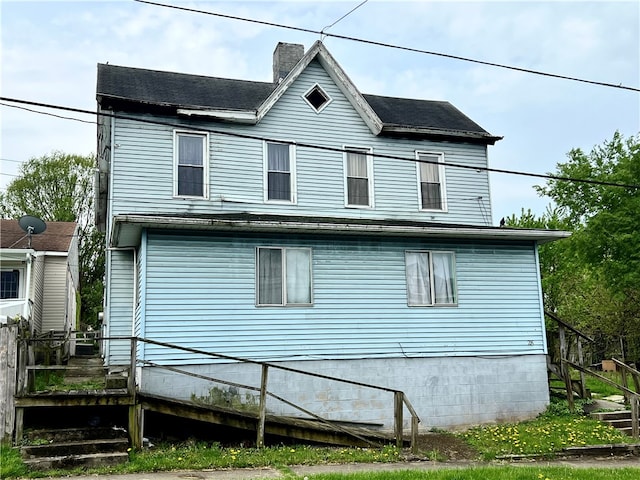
point(31, 226)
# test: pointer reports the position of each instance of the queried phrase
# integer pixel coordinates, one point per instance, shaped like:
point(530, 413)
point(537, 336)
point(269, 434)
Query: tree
point(592, 279)
point(59, 187)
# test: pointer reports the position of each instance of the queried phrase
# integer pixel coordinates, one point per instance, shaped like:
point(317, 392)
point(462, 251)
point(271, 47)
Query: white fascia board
point(128, 228)
point(338, 75)
point(237, 116)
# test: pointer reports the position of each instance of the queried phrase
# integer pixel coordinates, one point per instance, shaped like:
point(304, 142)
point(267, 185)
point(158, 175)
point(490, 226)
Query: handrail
point(398, 394)
point(568, 326)
point(634, 397)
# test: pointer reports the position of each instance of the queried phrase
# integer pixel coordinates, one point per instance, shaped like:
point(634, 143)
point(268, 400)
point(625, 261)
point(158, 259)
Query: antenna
point(31, 226)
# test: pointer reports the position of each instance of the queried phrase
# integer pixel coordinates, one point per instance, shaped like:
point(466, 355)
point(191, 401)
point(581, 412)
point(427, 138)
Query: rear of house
point(304, 224)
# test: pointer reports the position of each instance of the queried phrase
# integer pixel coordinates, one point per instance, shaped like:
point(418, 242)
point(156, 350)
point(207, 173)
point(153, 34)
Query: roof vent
point(317, 98)
point(285, 57)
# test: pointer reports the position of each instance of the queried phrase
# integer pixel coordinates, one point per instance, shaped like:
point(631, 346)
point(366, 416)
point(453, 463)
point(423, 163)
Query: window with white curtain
point(191, 164)
point(430, 278)
point(358, 177)
point(279, 168)
point(431, 180)
point(283, 276)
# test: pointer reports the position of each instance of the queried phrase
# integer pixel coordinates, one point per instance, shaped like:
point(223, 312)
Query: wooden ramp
point(303, 429)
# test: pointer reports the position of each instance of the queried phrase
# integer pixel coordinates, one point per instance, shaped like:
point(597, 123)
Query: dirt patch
point(445, 446)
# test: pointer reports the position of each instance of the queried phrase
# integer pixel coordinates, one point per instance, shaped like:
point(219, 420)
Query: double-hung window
point(9, 284)
point(431, 278)
point(191, 164)
point(358, 171)
point(283, 276)
point(431, 180)
point(279, 172)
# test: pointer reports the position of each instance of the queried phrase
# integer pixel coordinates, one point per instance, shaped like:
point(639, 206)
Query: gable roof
point(56, 238)
point(248, 102)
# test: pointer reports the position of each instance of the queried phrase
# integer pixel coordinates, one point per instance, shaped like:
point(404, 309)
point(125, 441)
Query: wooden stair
point(75, 436)
point(619, 419)
point(47, 449)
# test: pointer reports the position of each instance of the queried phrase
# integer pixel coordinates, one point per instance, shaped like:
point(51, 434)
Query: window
point(191, 164)
point(280, 173)
point(9, 284)
point(358, 177)
point(283, 276)
point(317, 98)
point(430, 278)
point(431, 181)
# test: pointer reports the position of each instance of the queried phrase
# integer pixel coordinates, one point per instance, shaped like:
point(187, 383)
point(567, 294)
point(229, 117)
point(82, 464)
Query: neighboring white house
point(40, 281)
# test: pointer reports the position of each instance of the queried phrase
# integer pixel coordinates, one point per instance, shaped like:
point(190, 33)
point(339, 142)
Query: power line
point(323, 147)
point(47, 113)
point(388, 45)
point(344, 16)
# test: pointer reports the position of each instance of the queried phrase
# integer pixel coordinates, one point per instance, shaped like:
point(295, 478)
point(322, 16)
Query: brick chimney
point(285, 57)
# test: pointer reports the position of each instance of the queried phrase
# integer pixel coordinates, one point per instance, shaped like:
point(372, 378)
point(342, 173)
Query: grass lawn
point(546, 435)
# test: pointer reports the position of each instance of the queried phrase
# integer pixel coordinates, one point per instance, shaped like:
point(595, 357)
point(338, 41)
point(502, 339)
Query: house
point(40, 277)
point(302, 223)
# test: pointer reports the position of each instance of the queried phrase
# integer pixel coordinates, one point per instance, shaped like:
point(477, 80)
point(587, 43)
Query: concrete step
point(70, 461)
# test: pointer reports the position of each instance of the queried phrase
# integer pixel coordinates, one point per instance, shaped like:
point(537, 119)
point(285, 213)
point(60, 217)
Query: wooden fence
point(8, 374)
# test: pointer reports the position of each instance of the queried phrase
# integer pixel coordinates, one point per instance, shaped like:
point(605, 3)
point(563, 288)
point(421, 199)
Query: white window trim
point(265, 173)
point(284, 278)
point(317, 110)
point(431, 282)
point(205, 161)
point(21, 282)
point(443, 183)
point(370, 182)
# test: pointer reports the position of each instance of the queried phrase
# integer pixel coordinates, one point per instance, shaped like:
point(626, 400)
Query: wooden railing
point(400, 399)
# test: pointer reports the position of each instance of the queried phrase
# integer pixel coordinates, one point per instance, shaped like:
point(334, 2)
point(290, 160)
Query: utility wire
point(342, 17)
point(47, 113)
point(322, 147)
point(388, 45)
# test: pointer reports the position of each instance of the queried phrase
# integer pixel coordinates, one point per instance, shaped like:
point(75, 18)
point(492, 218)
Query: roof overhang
point(127, 228)
point(441, 134)
point(238, 116)
point(15, 254)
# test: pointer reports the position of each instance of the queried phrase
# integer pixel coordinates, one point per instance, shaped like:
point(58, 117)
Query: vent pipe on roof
point(285, 57)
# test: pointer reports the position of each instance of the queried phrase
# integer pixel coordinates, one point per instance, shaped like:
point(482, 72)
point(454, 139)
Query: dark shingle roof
point(56, 238)
point(179, 89)
point(125, 86)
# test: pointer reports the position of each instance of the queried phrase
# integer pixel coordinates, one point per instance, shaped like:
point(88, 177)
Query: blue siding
point(119, 305)
point(200, 292)
point(143, 167)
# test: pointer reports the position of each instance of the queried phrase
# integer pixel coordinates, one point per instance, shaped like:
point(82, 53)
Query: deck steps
point(619, 419)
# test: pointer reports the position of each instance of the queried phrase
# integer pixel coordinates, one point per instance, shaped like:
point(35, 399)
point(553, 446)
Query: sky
point(49, 52)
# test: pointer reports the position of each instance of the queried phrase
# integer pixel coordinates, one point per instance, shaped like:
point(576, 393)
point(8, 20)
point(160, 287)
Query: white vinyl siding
point(279, 167)
point(191, 164)
point(358, 177)
point(431, 278)
point(431, 181)
point(283, 276)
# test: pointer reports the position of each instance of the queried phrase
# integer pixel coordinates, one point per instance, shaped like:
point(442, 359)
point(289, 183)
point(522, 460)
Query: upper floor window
point(191, 164)
point(9, 284)
point(280, 172)
point(430, 278)
point(358, 177)
point(283, 276)
point(431, 181)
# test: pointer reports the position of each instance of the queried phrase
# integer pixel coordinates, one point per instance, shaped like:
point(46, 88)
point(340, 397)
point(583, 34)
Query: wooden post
point(566, 374)
point(398, 406)
point(584, 393)
point(625, 384)
point(414, 434)
point(263, 407)
point(635, 406)
point(131, 381)
point(135, 426)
